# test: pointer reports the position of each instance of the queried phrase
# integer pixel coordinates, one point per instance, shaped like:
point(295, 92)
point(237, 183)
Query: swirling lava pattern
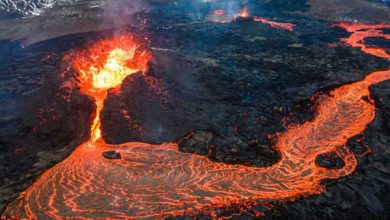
point(157, 180)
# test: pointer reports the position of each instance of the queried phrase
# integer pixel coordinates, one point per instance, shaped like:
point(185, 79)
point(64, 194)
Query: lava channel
point(155, 181)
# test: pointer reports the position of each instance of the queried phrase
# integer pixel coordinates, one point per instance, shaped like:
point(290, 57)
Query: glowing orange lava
point(155, 181)
point(105, 65)
point(360, 32)
point(243, 13)
point(219, 16)
point(274, 24)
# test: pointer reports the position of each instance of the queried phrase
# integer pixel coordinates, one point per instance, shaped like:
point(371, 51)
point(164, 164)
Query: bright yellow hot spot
point(110, 76)
point(104, 65)
point(114, 70)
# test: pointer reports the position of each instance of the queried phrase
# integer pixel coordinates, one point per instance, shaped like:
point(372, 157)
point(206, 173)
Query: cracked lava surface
point(158, 180)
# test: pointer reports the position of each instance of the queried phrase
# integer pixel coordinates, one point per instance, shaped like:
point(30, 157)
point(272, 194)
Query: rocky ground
point(42, 121)
point(350, 10)
point(220, 90)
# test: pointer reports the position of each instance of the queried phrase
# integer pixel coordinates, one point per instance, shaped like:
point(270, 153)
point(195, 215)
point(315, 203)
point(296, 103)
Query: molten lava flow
point(274, 24)
point(114, 70)
point(361, 31)
point(105, 65)
point(155, 181)
point(219, 16)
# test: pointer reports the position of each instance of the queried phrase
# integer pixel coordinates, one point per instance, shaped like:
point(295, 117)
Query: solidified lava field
point(204, 109)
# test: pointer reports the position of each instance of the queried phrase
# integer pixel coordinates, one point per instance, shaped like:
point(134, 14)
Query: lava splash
point(155, 181)
point(105, 65)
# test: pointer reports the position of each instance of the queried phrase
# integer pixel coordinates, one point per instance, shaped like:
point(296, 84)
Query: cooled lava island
point(194, 109)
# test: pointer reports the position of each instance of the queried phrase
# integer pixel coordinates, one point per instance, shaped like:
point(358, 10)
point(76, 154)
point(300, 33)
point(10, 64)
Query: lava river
point(158, 180)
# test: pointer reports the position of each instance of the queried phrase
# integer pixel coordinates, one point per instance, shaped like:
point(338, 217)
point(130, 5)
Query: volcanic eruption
point(155, 181)
point(243, 14)
point(221, 16)
point(104, 65)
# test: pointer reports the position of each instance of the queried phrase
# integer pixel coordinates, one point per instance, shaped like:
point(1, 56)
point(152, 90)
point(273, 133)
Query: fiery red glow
point(274, 24)
point(243, 13)
point(219, 12)
point(155, 181)
point(219, 16)
point(360, 32)
point(104, 65)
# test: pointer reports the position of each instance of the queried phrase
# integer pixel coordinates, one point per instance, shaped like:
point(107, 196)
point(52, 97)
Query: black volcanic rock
point(363, 194)
point(330, 161)
point(111, 155)
point(198, 142)
point(43, 116)
point(241, 84)
point(237, 80)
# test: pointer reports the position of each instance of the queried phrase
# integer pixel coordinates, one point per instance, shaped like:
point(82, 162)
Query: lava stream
point(219, 16)
point(158, 180)
point(105, 65)
point(361, 31)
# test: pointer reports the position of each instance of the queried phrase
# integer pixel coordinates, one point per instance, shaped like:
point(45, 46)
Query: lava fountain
point(105, 65)
point(243, 13)
point(156, 181)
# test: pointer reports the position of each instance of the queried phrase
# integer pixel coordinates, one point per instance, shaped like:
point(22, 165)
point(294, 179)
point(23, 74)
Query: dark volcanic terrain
point(218, 89)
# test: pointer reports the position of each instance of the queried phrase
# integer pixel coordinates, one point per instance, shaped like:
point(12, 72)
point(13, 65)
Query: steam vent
point(194, 109)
